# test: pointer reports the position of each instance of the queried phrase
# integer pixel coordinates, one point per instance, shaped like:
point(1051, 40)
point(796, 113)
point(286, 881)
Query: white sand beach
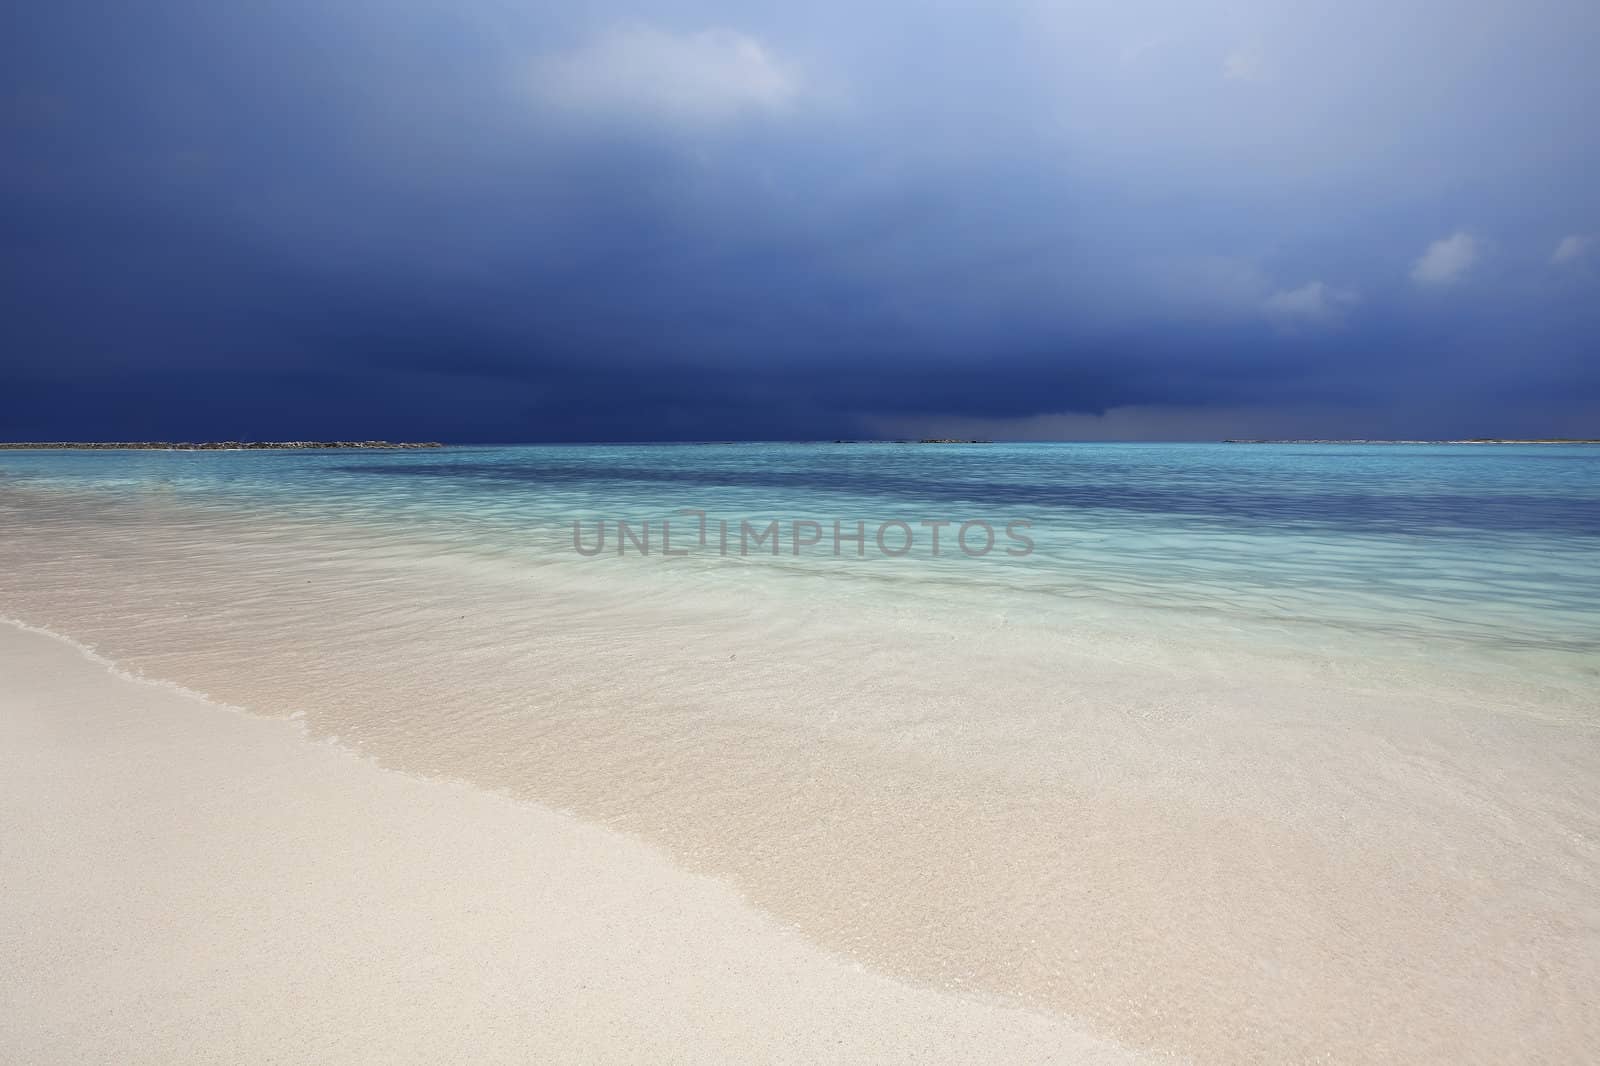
point(184, 883)
point(804, 820)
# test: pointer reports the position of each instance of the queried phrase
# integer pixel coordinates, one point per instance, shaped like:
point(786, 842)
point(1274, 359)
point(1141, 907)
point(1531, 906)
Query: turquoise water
point(1464, 546)
point(1288, 732)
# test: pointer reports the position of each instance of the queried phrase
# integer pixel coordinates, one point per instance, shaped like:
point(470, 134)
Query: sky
point(496, 221)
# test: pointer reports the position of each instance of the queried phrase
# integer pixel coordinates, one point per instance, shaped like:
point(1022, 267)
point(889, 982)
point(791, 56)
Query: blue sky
point(484, 220)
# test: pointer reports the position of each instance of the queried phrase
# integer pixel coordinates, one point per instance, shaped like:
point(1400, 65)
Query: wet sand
point(186, 883)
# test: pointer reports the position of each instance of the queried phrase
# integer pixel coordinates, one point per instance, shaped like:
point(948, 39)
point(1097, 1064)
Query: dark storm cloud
point(493, 221)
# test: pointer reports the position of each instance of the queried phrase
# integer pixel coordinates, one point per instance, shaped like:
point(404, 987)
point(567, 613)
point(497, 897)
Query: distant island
point(1468, 440)
point(216, 445)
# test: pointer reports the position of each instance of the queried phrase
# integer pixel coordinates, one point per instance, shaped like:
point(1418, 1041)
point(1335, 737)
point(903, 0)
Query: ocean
point(1244, 750)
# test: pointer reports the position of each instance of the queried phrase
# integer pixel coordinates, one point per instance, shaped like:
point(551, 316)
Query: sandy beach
point(805, 813)
point(185, 883)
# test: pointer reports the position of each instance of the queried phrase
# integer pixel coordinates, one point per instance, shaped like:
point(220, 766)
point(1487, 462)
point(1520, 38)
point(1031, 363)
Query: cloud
point(1247, 63)
point(708, 76)
point(1446, 261)
point(1571, 248)
point(1315, 300)
point(1225, 288)
point(633, 209)
point(1208, 286)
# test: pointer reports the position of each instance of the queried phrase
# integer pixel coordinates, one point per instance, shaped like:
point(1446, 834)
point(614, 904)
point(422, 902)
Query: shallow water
point(1264, 753)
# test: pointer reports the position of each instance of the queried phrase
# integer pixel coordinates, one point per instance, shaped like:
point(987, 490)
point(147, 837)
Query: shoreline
point(383, 445)
point(1453, 440)
point(189, 884)
point(214, 446)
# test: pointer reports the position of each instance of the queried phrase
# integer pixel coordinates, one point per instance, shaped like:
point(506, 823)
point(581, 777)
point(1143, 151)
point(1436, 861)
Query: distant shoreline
point(1469, 440)
point(213, 445)
point(384, 445)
